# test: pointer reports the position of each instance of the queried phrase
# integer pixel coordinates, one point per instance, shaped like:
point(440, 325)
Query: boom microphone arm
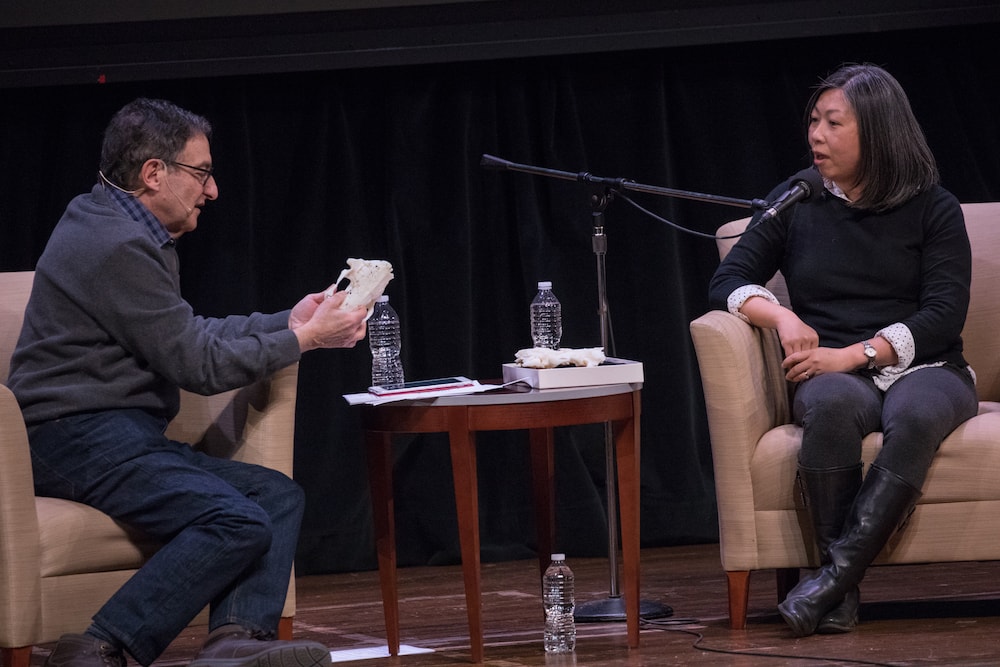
point(618, 184)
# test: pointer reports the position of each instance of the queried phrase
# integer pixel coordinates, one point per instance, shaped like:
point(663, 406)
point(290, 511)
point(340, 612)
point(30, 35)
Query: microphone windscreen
point(812, 179)
point(493, 162)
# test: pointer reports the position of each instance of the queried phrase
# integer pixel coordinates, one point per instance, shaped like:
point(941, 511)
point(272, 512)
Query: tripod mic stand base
point(613, 609)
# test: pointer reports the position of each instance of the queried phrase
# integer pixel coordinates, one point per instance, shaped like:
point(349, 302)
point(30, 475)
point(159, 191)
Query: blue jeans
point(837, 410)
point(228, 529)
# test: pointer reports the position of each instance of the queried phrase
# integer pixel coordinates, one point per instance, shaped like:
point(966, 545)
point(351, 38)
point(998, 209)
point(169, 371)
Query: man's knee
point(244, 527)
point(277, 493)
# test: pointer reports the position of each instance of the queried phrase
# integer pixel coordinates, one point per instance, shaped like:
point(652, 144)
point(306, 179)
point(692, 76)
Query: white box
point(612, 371)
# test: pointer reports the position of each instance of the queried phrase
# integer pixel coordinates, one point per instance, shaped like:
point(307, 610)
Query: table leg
point(463, 465)
point(383, 519)
point(544, 491)
point(626, 435)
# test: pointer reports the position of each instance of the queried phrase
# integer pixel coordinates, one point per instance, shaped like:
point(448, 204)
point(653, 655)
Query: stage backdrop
point(317, 167)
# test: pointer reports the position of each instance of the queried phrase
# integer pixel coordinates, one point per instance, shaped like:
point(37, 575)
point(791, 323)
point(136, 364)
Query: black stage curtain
point(384, 163)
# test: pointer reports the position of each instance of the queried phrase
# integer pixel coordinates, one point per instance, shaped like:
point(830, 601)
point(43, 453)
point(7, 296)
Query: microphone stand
point(602, 191)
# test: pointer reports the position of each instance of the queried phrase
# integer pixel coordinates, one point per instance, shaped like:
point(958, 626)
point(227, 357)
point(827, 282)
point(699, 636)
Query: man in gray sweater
point(106, 345)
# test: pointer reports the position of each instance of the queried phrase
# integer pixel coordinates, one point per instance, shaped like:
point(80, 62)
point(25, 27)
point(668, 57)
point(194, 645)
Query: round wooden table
point(537, 411)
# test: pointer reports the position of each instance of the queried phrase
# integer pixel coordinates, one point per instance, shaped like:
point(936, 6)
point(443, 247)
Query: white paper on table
point(368, 398)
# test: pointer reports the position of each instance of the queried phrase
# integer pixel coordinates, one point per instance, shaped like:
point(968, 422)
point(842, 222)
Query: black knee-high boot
point(829, 494)
point(883, 503)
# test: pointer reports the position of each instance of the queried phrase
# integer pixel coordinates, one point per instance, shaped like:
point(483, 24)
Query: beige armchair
point(762, 524)
point(60, 560)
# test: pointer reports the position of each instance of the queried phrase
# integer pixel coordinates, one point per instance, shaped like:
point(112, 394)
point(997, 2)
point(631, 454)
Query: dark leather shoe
point(843, 617)
point(233, 646)
point(84, 651)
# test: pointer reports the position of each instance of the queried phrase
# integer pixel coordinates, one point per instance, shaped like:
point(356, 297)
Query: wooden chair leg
point(739, 598)
point(17, 656)
point(284, 627)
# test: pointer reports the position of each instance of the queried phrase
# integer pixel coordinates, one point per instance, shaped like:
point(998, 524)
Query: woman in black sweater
point(878, 268)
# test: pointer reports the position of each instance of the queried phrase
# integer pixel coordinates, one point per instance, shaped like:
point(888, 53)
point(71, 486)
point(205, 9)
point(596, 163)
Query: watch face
point(870, 352)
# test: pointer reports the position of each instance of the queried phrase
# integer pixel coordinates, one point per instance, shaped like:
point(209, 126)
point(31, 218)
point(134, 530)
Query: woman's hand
point(804, 358)
point(803, 365)
point(794, 334)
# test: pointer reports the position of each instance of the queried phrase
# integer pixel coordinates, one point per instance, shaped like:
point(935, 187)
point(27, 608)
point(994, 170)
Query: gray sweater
point(106, 327)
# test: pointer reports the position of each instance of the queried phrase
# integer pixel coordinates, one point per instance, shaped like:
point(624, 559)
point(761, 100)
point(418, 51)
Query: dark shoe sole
point(834, 628)
point(801, 627)
point(278, 656)
point(842, 618)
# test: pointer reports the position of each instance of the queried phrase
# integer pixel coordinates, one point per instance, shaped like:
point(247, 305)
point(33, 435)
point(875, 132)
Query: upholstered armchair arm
point(254, 424)
point(745, 396)
point(20, 580)
point(269, 433)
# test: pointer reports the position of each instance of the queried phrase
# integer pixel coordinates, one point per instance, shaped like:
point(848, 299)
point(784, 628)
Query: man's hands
point(319, 322)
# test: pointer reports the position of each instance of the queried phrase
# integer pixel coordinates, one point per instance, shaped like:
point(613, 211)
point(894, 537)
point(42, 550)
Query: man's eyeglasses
point(203, 174)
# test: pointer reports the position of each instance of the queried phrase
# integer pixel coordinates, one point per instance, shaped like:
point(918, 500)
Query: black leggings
point(837, 410)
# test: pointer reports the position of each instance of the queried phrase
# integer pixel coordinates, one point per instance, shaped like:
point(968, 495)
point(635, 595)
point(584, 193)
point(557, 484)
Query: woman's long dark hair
point(896, 162)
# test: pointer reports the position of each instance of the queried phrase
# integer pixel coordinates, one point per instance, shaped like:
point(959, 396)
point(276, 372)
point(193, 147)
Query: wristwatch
point(870, 353)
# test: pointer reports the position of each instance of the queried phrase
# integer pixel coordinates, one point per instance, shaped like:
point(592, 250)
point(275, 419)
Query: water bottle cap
point(544, 284)
point(384, 298)
point(558, 556)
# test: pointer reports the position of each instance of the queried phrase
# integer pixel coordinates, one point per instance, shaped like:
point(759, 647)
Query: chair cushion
point(965, 468)
point(76, 538)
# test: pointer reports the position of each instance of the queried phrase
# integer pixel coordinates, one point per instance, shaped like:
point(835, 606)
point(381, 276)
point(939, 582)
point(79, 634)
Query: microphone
point(805, 185)
point(494, 162)
point(187, 208)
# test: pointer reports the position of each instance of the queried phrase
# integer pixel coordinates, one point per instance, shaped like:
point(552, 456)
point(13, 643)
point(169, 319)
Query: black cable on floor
point(671, 626)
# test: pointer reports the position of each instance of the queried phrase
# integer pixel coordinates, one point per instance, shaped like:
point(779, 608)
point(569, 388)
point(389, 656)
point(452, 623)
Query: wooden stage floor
point(911, 616)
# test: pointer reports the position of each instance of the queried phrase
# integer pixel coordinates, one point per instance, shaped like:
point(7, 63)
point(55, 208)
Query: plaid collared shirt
point(135, 210)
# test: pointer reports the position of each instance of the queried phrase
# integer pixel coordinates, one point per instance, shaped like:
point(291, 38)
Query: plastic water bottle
point(557, 594)
point(546, 317)
point(385, 342)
